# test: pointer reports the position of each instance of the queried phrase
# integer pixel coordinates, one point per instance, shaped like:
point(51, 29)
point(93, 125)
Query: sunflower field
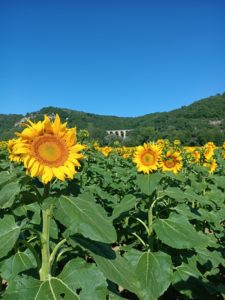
point(80, 221)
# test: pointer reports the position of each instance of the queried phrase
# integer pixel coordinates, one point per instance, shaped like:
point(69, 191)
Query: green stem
point(45, 270)
point(62, 252)
point(45, 252)
point(46, 190)
point(55, 250)
point(150, 217)
point(143, 223)
point(140, 239)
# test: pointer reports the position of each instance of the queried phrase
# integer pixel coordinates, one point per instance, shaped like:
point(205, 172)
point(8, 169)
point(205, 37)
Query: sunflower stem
point(150, 221)
point(150, 217)
point(46, 190)
point(45, 270)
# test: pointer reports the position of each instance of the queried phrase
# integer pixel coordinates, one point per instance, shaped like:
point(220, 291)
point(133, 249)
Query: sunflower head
point(210, 145)
point(196, 156)
point(160, 143)
point(47, 149)
point(12, 155)
point(211, 165)
point(105, 150)
point(147, 157)
point(172, 161)
point(208, 153)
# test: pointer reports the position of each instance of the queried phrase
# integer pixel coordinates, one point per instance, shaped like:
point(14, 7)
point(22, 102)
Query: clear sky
point(113, 57)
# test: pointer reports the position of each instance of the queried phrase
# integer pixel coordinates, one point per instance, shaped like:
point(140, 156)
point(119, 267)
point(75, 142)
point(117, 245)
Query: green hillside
point(202, 121)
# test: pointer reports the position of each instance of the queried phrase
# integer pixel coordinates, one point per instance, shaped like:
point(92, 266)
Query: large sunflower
point(147, 157)
point(172, 162)
point(48, 149)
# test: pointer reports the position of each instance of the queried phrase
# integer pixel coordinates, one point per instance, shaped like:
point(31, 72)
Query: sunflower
point(172, 161)
point(12, 156)
point(209, 149)
point(211, 165)
point(208, 153)
point(48, 149)
point(147, 157)
point(105, 150)
point(160, 143)
point(196, 156)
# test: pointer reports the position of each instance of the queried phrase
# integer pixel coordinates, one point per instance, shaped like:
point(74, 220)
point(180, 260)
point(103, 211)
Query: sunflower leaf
point(9, 233)
point(80, 215)
point(148, 182)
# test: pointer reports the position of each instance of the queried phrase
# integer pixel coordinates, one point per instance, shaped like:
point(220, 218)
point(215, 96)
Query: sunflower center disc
point(148, 159)
point(169, 163)
point(50, 150)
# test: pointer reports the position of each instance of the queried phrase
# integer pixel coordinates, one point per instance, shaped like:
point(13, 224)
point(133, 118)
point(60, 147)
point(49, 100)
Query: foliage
point(114, 233)
point(194, 124)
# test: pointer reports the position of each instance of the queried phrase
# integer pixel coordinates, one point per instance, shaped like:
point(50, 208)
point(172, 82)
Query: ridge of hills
point(195, 124)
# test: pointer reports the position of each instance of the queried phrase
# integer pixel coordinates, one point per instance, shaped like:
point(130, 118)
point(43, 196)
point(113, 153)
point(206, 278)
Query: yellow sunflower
point(48, 149)
point(209, 149)
point(147, 157)
point(160, 143)
point(196, 156)
point(208, 153)
point(105, 150)
point(211, 165)
point(12, 156)
point(172, 162)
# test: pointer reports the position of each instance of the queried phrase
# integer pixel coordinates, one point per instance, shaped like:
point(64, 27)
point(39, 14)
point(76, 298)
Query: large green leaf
point(127, 203)
point(114, 267)
point(154, 271)
point(211, 258)
point(22, 288)
point(148, 182)
point(8, 194)
point(189, 281)
point(177, 232)
point(55, 289)
point(78, 274)
point(85, 217)
point(6, 177)
point(9, 233)
point(115, 297)
point(119, 271)
point(188, 211)
point(17, 263)
point(182, 196)
point(132, 256)
point(28, 288)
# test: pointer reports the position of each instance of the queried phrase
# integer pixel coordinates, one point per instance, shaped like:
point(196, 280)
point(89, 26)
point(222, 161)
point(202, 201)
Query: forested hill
point(202, 121)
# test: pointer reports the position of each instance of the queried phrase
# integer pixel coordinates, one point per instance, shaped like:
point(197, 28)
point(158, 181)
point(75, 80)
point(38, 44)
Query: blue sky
point(112, 57)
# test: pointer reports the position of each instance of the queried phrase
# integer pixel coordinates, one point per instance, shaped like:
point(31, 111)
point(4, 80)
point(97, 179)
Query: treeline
point(196, 124)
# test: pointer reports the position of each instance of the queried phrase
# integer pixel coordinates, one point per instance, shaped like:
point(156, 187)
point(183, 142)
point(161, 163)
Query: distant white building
point(119, 132)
